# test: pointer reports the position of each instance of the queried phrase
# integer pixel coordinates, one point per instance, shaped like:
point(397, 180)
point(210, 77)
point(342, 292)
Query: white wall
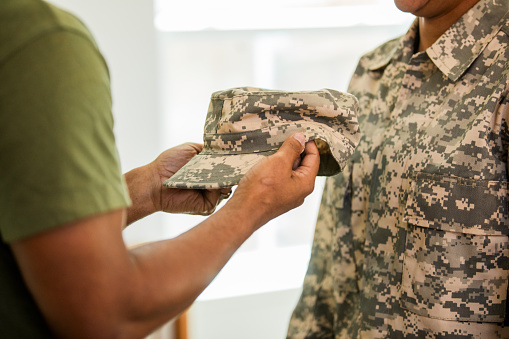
point(256, 316)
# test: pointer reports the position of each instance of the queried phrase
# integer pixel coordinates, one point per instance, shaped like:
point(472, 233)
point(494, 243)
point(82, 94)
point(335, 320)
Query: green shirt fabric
point(58, 159)
point(411, 239)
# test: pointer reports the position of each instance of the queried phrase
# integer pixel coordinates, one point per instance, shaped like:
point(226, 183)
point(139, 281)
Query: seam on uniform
point(457, 180)
point(270, 92)
point(302, 123)
point(237, 153)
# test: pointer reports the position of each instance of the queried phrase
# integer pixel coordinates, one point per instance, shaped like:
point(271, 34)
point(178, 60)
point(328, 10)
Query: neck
point(431, 28)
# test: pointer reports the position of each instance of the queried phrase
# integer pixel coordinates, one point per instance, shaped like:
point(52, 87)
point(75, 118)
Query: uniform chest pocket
point(456, 256)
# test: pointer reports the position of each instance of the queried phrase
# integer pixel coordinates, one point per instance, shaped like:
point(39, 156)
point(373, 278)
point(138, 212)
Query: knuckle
point(309, 187)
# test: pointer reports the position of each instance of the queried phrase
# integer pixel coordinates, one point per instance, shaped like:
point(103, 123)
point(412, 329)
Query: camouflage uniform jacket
point(412, 238)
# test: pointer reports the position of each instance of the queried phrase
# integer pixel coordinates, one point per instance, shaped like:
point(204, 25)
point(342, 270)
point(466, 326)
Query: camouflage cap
point(245, 124)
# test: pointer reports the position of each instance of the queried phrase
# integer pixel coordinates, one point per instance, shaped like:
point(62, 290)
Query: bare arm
point(88, 285)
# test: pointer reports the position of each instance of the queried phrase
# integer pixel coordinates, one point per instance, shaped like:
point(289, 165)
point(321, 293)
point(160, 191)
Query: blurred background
point(166, 57)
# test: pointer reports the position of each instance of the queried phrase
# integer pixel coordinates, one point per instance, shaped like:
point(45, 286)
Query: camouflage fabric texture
point(411, 239)
point(246, 124)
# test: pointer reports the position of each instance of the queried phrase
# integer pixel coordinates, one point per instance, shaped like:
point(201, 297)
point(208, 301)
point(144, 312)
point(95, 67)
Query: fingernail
point(300, 137)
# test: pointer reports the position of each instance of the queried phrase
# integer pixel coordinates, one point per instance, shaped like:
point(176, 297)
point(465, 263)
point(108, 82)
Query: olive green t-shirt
point(58, 159)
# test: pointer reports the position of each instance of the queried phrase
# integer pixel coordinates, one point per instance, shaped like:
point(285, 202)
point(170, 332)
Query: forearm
point(88, 285)
point(138, 181)
point(170, 274)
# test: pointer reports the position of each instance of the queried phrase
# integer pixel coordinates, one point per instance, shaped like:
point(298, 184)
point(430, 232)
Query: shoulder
point(379, 57)
point(26, 21)
point(383, 52)
point(374, 60)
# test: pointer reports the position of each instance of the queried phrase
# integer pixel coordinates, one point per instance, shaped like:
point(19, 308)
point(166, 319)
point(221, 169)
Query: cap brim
point(213, 171)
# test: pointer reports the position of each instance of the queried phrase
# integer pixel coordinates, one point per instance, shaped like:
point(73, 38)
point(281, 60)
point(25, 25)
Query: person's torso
point(425, 196)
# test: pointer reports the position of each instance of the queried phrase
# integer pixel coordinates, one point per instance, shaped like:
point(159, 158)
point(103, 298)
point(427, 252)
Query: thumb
point(293, 147)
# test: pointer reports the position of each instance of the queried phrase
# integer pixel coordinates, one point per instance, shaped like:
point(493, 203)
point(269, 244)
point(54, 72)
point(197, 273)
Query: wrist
point(246, 211)
point(144, 195)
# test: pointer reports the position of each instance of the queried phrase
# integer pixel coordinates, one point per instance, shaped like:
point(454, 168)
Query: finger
point(225, 193)
point(292, 147)
point(215, 196)
point(297, 162)
point(212, 199)
point(197, 147)
point(311, 161)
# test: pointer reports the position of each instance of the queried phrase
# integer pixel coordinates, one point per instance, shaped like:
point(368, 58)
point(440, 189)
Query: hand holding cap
point(245, 124)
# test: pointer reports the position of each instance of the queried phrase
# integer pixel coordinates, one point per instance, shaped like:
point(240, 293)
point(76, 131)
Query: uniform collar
point(464, 41)
point(459, 46)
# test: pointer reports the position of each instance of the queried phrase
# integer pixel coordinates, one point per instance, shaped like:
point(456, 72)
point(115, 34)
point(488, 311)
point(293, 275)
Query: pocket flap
point(458, 205)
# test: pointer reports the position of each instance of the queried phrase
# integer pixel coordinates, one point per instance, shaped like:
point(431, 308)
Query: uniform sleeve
point(313, 316)
point(59, 162)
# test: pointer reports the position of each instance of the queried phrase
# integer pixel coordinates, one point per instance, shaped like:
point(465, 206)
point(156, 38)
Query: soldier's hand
point(174, 200)
point(279, 182)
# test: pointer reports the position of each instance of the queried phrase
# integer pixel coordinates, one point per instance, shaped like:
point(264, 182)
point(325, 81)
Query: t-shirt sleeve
point(58, 159)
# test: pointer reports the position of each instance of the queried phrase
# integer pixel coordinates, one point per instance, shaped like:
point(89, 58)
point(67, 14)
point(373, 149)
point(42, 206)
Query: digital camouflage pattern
point(411, 239)
point(246, 124)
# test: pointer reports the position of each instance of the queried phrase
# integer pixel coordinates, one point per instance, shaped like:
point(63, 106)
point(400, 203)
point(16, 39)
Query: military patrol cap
point(245, 124)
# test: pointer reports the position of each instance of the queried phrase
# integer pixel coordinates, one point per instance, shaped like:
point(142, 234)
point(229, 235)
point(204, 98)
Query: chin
point(410, 6)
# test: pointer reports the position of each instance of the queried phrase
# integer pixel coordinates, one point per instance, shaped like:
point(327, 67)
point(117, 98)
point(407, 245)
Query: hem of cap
point(194, 185)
